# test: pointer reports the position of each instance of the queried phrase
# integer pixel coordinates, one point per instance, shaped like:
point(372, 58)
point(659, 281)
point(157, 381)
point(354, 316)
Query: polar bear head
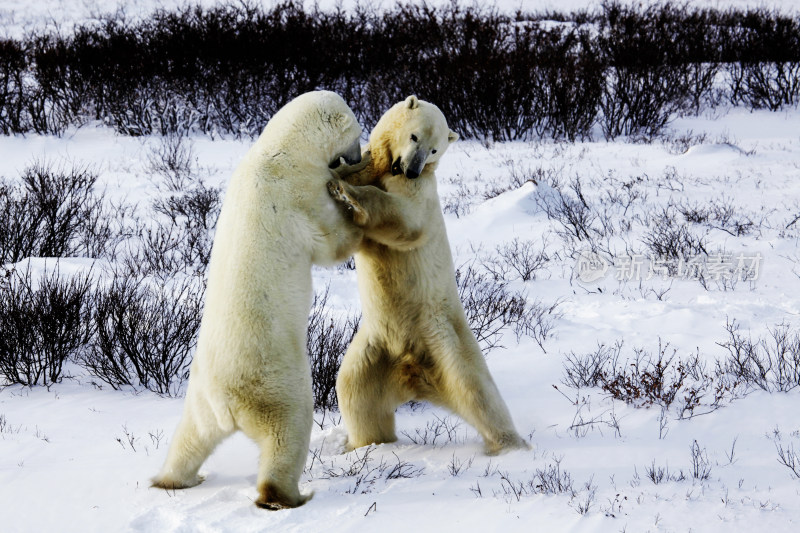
point(411, 135)
point(319, 125)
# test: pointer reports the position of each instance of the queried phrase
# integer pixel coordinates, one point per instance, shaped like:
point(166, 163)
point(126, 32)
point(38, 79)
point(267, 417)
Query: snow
point(75, 457)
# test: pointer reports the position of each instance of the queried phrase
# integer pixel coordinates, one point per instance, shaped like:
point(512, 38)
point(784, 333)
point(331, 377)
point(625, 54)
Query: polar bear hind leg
point(282, 431)
point(191, 445)
point(467, 389)
point(367, 394)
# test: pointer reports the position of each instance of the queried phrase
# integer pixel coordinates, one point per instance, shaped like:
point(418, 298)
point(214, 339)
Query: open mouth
point(396, 167)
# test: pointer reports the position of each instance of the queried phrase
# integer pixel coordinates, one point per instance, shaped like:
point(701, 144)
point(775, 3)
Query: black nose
point(411, 174)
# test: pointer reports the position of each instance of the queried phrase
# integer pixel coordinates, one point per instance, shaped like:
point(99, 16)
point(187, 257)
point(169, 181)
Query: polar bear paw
point(274, 498)
point(506, 443)
point(342, 193)
point(352, 173)
point(173, 483)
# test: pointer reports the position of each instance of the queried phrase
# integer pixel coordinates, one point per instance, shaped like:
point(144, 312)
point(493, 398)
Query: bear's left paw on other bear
point(342, 193)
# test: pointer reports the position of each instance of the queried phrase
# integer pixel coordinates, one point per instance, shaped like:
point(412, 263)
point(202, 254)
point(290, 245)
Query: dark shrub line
point(227, 69)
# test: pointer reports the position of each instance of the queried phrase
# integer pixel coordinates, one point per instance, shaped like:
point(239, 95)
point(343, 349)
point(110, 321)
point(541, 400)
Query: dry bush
point(45, 323)
point(145, 332)
point(495, 76)
point(55, 212)
point(771, 364)
point(645, 379)
point(492, 307)
point(328, 337)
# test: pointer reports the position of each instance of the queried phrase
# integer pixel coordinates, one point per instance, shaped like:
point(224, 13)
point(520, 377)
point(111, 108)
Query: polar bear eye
point(413, 137)
point(433, 151)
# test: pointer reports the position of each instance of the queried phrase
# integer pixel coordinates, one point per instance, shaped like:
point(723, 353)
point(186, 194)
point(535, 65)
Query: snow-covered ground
point(74, 458)
point(77, 458)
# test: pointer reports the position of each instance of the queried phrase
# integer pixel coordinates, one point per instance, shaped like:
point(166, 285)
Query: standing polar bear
point(250, 371)
point(414, 342)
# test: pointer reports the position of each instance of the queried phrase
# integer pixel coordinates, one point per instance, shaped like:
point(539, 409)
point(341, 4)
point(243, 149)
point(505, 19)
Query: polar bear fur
point(250, 371)
point(414, 342)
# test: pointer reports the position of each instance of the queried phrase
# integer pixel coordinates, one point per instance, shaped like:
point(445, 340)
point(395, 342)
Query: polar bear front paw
point(339, 192)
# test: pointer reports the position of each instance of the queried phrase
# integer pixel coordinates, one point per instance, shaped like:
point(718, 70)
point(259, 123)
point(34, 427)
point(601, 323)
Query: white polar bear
point(414, 342)
point(250, 371)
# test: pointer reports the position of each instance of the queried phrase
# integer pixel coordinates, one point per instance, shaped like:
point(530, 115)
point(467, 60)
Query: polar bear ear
point(452, 137)
point(339, 120)
point(412, 102)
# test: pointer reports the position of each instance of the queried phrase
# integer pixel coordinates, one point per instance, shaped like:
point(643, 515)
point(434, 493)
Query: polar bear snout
point(351, 156)
point(413, 173)
point(414, 168)
point(411, 170)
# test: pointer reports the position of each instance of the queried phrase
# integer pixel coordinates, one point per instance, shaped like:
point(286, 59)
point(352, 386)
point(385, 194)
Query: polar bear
point(250, 371)
point(414, 342)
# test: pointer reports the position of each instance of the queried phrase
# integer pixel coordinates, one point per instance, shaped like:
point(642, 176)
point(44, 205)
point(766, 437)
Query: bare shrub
point(789, 458)
point(191, 207)
point(349, 265)
point(491, 307)
point(146, 332)
point(720, 214)
point(327, 341)
point(459, 203)
point(8, 429)
point(193, 216)
point(517, 177)
point(13, 63)
point(551, 480)
point(45, 323)
point(589, 370)
point(443, 430)
point(365, 471)
point(648, 79)
point(680, 144)
point(572, 212)
point(701, 466)
point(174, 161)
point(361, 468)
point(404, 469)
point(457, 466)
point(582, 500)
point(647, 379)
point(196, 206)
point(518, 257)
point(623, 194)
point(180, 239)
point(639, 101)
point(765, 85)
point(662, 474)
point(54, 213)
point(673, 241)
point(526, 77)
point(770, 364)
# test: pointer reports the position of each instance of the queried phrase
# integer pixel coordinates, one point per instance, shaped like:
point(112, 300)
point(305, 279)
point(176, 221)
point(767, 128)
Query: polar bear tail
point(223, 415)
